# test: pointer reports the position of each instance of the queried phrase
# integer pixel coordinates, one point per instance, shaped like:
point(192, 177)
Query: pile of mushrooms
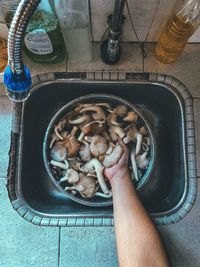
point(85, 141)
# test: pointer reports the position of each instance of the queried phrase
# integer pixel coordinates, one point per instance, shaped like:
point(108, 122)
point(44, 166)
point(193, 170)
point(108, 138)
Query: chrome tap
point(110, 48)
point(17, 78)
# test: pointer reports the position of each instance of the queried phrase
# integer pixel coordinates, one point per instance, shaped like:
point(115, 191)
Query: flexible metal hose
point(18, 26)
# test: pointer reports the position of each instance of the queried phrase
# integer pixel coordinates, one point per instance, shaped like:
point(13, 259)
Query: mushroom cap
point(98, 146)
point(131, 117)
point(113, 158)
point(72, 145)
point(120, 110)
point(72, 176)
point(143, 130)
point(94, 127)
point(61, 124)
point(58, 152)
point(85, 153)
point(89, 185)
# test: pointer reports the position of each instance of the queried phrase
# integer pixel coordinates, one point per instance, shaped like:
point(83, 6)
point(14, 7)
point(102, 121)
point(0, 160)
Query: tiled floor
point(24, 245)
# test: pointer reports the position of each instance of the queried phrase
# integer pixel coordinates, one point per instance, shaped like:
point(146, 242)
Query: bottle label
point(38, 42)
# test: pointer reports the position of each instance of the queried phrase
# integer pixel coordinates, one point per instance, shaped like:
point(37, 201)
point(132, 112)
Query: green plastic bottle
point(43, 41)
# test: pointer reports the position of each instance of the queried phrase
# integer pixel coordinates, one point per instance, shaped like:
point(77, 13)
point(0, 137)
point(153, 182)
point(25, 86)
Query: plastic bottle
point(73, 16)
point(177, 32)
point(43, 41)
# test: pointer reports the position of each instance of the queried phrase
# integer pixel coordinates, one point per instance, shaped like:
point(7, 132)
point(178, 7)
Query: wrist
point(122, 174)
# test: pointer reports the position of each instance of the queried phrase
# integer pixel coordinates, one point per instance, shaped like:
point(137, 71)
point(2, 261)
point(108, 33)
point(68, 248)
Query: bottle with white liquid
point(73, 16)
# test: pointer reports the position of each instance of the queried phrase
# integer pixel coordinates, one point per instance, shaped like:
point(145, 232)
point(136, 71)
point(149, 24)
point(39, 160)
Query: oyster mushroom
point(74, 163)
point(94, 127)
point(133, 163)
point(110, 148)
point(81, 119)
point(131, 117)
point(120, 110)
point(98, 113)
point(111, 159)
point(58, 152)
point(143, 130)
point(71, 176)
point(59, 127)
point(133, 135)
point(95, 164)
point(86, 186)
point(142, 160)
point(72, 145)
point(115, 132)
point(112, 120)
point(84, 152)
point(61, 165)
point(106, 135)
point(98, 145)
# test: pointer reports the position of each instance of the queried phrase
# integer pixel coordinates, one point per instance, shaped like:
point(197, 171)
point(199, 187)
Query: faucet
point(17, 77)
point(110, 48)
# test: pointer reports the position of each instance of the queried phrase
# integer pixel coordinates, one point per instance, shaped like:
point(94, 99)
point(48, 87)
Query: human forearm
point(138, 242)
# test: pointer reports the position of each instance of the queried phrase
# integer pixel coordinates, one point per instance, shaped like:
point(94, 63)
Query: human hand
point(119, 169)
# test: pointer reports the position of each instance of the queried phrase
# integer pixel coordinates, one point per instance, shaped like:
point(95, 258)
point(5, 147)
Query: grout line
point(154, 16)
point(59, 237)
point(143, 58)
point(67, 62)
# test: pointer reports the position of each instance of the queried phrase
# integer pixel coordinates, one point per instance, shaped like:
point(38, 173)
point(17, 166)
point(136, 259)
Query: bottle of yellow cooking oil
point(177, 32)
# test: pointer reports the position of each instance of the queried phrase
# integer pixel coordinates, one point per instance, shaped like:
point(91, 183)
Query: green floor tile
point(88, 247)
point(23, 244)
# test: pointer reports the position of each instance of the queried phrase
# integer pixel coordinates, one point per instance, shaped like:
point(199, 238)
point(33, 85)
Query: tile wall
point(149, 18)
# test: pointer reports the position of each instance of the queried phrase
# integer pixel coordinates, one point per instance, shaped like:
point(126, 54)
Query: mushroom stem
point(133, 162)
point(99, 194)
point(94, 163)
point(54, 138)
point(78, 188)
point(133, 135)
point(58, 134)
point(142, 160)
point(74, 131)
point(61, 165)
point(139, 143)
point(81, 136)
point(80, 120)
point(98, 112)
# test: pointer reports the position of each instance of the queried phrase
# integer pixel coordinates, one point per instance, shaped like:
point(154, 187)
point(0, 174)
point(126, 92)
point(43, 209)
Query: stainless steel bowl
point(95, 201)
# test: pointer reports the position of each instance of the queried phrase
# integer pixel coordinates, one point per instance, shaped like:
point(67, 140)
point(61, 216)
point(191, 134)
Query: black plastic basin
point(167, 192)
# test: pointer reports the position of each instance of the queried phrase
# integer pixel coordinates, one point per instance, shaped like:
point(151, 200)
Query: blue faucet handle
point(18, 85)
